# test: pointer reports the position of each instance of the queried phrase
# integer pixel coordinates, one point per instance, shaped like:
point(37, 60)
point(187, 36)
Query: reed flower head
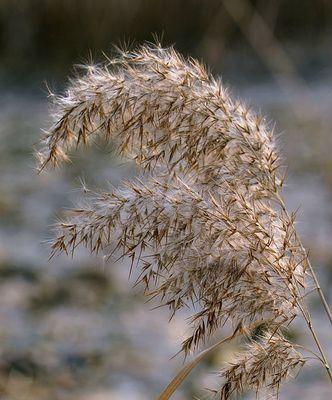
point(204, 220)
point(263, 365)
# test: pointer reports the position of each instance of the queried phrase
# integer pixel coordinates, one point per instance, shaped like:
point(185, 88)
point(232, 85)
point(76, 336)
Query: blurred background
point(75, 328)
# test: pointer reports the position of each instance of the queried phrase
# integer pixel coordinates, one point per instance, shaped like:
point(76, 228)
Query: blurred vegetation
point(45, 37)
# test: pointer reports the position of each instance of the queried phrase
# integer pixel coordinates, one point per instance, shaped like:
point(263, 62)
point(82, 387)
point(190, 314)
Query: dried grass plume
point(204, 221)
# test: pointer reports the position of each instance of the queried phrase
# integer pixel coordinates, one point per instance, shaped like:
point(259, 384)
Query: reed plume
point(204, 221)
point(264, 363)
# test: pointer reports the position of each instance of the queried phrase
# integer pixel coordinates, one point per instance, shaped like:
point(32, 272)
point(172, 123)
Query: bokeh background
point(75, 328)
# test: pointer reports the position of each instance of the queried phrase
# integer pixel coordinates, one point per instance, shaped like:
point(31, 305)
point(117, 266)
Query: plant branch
point(312, 272)
point(307, 317)
point(185, 371)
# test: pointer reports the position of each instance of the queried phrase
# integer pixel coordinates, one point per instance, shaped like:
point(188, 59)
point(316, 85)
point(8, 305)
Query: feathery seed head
point(265, 364)
point(205, 221)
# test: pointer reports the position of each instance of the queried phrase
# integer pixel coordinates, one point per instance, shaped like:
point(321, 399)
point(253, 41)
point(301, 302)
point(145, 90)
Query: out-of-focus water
point(74, 328)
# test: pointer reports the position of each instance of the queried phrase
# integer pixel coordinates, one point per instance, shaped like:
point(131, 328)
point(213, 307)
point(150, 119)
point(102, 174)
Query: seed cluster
point(263, 364)
point(204, 221)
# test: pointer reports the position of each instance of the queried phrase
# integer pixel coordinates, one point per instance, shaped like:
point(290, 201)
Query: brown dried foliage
point(205, 221)
point(264, 364)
